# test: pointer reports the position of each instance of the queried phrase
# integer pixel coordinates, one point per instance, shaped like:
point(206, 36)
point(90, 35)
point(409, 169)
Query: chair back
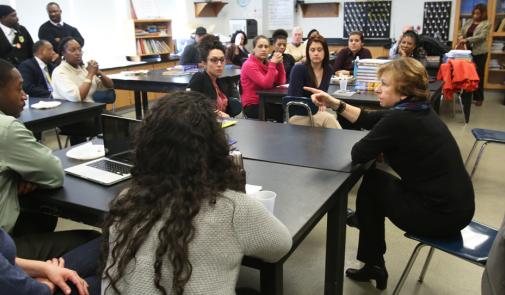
point(234, 106)
point(302, 106)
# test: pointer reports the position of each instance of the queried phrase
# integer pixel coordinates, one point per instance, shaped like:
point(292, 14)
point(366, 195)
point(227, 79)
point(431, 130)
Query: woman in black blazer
point(220, 90)
point(433, 195)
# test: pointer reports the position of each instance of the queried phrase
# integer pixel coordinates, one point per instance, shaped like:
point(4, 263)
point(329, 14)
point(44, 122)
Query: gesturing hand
point(321, 98)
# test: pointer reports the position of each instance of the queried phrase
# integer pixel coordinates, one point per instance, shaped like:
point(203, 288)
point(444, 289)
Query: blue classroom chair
point(472, 245)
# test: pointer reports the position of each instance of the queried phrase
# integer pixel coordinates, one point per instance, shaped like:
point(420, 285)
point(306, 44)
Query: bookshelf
point(494, 77)
point(153, 37)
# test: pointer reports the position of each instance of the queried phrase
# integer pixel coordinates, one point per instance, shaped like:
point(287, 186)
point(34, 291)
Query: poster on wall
point(280, 14)
point(436, 19)
point(373, 18)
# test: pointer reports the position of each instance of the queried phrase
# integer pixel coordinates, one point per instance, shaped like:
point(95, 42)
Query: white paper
point(280, 14)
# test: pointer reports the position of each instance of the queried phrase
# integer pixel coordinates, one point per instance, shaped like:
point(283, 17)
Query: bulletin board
point(436, 19)
point(373, 18)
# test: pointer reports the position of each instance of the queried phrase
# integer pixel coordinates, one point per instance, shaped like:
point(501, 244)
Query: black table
point(303, 199)
point(360, 98)
point(155, 81)
point(307, 189)
point(64, 114)
point(320, 148)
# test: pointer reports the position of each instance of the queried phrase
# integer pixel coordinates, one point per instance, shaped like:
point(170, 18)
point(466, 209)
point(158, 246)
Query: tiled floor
point(304, 271)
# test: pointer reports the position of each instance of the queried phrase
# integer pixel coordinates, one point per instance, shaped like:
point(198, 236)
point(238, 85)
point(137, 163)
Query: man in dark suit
point(54, 30)
point(15, 42)
point(37, 71)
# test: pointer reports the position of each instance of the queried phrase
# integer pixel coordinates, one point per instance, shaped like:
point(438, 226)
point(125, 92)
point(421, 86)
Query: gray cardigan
point(479, 38)
point(235, 226)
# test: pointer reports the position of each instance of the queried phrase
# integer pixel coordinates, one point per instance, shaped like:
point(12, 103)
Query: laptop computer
point(115, 166)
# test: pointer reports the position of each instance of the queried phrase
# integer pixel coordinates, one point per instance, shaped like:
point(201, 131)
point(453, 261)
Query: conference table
point(38, 120)
point(160, 81)
point(311, 181)
point(361, 98)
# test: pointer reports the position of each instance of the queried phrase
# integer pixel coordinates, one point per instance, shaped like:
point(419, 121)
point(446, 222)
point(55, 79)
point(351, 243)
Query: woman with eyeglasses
point(208, 82)
point(259, 72)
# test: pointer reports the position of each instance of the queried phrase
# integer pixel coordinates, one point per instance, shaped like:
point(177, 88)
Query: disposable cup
point(343, 84)
point(267, 198)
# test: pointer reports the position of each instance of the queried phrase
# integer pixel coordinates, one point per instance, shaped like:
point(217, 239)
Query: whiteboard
point(280, 14)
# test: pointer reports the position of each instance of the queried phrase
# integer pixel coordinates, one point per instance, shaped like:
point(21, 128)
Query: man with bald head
point(54, 30)
point(36, 71)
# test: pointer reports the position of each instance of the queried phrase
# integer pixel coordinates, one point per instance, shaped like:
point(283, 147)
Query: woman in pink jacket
point(260, 73)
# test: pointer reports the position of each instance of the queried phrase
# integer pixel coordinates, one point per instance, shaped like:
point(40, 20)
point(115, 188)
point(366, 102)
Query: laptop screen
point(118, 137)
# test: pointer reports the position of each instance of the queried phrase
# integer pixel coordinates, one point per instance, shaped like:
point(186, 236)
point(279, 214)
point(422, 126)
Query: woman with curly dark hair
point(181, 227)
point(236, 53)
point(221, 90)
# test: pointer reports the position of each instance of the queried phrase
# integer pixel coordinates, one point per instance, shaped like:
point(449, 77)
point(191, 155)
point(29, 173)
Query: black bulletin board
point(436, 19)
point(373, 18)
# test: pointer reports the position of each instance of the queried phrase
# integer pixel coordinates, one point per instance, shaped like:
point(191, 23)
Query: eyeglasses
point(216, 60)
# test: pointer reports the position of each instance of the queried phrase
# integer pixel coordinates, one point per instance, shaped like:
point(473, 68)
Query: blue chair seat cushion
point(107, 96)
point(473, 243)
point(489, 135)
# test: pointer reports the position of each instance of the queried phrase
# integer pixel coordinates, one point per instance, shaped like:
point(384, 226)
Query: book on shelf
point(152, 46)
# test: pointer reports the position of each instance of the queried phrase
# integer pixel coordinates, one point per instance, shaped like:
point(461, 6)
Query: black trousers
point(480, 64)
point(382, 195)
point(43, 246)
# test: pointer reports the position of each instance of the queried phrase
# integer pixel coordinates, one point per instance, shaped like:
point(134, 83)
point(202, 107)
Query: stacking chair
point(303, 104)
point(488, 136)
point(472, 245)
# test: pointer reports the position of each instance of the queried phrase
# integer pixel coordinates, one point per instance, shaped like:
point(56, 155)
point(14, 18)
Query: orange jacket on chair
point(458, 75)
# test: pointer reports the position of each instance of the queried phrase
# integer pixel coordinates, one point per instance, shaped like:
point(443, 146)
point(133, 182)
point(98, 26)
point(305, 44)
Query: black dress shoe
point(352, 219)
point(367, 273)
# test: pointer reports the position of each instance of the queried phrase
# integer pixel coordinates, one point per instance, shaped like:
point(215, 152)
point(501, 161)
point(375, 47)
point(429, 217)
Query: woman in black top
point(344, 62)
point(409, 46)
point(433, 195)
point(236, 53)
point(220, 90)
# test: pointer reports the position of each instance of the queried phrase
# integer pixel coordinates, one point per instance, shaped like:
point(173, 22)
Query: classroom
point(252, 147)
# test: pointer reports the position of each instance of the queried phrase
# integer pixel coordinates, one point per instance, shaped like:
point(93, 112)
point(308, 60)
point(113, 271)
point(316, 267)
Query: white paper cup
point(343, 84)
point(267, 198)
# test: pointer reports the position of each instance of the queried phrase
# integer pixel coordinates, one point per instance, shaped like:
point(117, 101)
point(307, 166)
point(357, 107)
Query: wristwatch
point(341, 107)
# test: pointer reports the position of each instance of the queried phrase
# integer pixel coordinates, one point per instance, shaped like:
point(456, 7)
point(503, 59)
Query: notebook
point(115, 166)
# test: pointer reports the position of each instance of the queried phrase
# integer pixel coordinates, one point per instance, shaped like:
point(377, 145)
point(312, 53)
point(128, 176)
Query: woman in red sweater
point(260, 73)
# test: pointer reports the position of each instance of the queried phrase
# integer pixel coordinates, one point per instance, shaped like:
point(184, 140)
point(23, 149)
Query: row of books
point(151, 46)
point(365, 71)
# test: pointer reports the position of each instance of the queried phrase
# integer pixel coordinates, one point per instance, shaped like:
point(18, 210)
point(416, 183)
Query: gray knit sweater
point(235, 226)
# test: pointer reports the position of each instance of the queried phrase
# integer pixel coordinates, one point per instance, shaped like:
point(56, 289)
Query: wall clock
point(243, 3)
